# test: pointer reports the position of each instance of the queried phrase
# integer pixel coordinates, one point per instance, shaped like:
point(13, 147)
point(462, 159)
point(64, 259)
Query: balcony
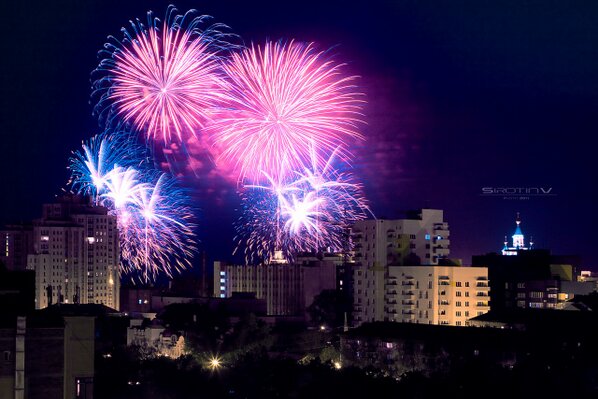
point(482, 285)
point(484, 294)
point(408, 302)
point(391, 293)
point(408, 293)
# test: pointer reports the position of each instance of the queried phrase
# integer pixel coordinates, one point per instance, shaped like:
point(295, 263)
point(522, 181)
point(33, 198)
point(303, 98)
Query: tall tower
point(76, 254)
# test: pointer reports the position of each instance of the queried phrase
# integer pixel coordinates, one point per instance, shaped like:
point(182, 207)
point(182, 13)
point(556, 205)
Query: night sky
point(461, 95)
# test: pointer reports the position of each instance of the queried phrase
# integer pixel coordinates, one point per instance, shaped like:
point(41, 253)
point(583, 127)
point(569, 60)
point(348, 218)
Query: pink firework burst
point(163, 78)
point(283, 99)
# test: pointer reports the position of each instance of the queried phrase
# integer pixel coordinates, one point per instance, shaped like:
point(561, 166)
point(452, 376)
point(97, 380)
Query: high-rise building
point(75, 254)
point(422, 238)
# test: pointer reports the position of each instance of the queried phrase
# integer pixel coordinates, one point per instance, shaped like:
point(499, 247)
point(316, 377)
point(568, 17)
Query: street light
point(215, 363)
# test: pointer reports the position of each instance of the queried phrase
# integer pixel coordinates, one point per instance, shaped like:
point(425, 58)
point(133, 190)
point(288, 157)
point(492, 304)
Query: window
point(458, 293)
point(458, 314)
point(467, 283)
point(537, 294)
point(458, 284)
point(520, 285)
point(458, 323)
point(467, 293)
point(7, 356)
point(458, 303)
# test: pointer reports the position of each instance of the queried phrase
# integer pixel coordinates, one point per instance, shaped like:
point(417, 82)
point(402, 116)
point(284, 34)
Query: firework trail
point(100, 155)
point(284, 99)
point(302, 214)
point(155, 220)
point(163, 78)
point(158, 236)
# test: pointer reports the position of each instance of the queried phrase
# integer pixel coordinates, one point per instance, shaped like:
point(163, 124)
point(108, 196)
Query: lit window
point(222, 280)
point(222, 273)
point(427, 236)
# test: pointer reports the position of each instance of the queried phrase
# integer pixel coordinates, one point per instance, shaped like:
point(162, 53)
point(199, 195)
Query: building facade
point(422, 238)
point(47, 357)
point(75, 254)
point(443, 295)
point(288, 288)
point(16, 242)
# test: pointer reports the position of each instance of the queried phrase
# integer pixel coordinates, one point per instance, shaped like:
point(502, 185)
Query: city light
point(215, 363)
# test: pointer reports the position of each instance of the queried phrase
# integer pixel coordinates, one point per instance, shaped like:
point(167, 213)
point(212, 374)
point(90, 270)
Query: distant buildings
point(398, 273)
point(154, 338)
point(16, 242)
point(522, 277)
point(287, 288)
point(75, 254)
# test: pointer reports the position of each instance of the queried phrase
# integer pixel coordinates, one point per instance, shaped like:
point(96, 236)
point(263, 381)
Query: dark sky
point(462, 95)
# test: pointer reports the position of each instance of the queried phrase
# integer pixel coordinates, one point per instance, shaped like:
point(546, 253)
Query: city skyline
point(448, 115)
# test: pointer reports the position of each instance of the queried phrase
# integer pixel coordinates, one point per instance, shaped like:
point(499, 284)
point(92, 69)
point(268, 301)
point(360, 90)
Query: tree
point(328, 308)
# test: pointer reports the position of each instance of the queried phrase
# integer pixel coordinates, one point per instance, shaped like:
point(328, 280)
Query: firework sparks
point(163, 78)
point(304, 214)
point(283, 99)
point(159, 235)
point(100, 155)
point(154, 219)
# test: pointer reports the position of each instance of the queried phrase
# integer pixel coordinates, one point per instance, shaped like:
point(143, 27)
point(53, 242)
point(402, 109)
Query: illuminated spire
point(518, 236)
point(518, 240)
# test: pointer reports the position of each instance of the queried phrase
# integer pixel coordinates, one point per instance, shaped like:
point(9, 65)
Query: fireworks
point(304, 214)
point(163, 78)
point(158, 230)
point(100, 155)
point(154, 219)
point(284, 99)
point(282, 116)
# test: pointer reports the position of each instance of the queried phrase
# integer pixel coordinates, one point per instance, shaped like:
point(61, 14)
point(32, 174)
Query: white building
point(447, 295)
point(422, 238)
point(155, 339)
point(75, 255)
point(518, 240)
